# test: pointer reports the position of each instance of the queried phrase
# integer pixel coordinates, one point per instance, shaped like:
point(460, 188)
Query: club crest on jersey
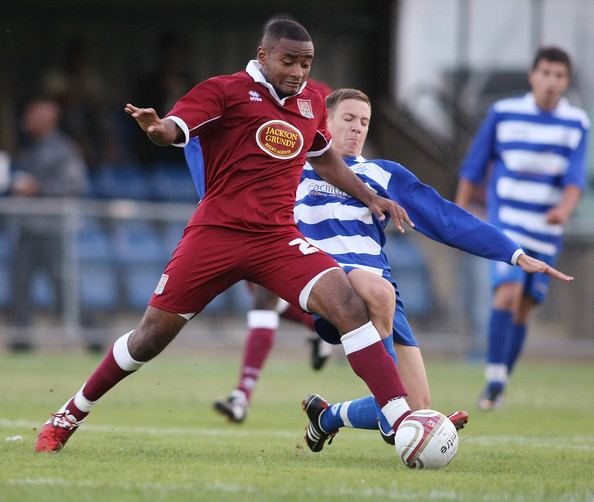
point(305, 108)
point(279, 139)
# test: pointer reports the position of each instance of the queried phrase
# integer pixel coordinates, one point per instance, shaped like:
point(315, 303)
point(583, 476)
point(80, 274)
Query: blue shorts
point(535, 285)
point(401, 330)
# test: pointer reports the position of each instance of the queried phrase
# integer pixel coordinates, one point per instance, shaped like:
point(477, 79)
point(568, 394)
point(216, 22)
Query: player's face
point(348, 123)
point(286, 64)
point(549, 80)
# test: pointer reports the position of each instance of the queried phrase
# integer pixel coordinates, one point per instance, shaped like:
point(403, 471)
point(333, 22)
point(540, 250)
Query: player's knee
point(157, 328)
point(380, 296)
point(507, 297)
point(349, 310)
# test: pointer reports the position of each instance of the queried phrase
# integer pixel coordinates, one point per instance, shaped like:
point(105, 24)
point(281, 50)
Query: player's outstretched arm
point(161, 132)
point(533, 265)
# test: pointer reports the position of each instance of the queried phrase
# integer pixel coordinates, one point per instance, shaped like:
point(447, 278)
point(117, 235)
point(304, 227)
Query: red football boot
point(56, 432)
point(459, 419)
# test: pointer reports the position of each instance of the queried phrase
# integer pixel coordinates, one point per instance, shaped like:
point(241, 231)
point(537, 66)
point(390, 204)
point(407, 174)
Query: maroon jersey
point(254, 146)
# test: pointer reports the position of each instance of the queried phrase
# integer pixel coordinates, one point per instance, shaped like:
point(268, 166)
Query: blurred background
point(100, 232)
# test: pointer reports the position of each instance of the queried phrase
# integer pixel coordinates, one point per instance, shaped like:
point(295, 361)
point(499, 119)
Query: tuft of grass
point(155, 436)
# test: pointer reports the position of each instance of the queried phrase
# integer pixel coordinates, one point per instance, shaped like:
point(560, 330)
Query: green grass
point(154, 437)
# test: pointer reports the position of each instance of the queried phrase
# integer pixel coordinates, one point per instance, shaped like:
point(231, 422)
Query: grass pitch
point(155, 436)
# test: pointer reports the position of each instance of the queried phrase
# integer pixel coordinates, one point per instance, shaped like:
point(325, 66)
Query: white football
point(426, 439)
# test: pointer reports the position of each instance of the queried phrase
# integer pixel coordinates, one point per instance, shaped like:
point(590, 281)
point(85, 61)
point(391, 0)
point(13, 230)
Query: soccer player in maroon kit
point(263, 321)
point(256, 128)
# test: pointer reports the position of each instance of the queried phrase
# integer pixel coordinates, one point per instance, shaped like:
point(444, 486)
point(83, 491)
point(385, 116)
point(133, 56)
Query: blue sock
point(359, 414)
point(500, 326)
point(515, 345)
point(362, 413)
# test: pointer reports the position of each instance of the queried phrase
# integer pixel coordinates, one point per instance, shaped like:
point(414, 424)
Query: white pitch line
point(126, 485)
point(573, 442)
point(175, 431)
point(392, 493)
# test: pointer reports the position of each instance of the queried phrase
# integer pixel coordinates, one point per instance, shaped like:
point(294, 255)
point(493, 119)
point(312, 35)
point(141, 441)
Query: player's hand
point(532, 265)
point(149, 122)
point(557, 215)
point(380, 206)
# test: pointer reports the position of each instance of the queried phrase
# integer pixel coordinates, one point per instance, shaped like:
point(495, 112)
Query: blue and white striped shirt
point(345, 228)
point(535, 155)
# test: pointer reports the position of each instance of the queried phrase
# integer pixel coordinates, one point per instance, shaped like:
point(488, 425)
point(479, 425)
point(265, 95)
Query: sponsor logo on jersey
point(305, 108)
point(279, 139)
point(323, 189)
point(254, 96)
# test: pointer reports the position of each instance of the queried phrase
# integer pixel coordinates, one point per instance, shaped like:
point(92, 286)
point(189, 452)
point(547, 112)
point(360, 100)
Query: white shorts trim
point(306, 291)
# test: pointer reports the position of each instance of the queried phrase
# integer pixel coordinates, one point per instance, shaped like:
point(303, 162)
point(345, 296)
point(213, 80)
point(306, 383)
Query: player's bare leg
point(129, 352)
point(414, 376)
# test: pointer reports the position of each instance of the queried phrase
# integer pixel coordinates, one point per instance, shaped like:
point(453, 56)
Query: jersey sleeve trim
point(182, 125)
point(317, 153)
point(514, 259)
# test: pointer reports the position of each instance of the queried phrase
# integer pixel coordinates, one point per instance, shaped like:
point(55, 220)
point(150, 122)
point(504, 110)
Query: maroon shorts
point(208, 260)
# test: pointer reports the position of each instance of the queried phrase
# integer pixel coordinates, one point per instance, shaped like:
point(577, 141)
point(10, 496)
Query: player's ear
point(261, 55)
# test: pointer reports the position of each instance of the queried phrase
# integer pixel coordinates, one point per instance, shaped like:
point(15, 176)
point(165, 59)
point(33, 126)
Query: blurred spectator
point(81, 92)
point(50, 165)
point(161, 87)
point(6, 137)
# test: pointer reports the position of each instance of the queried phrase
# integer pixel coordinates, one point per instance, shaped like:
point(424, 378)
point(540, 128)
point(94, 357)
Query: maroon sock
point(258, 346)
point(297, 315)
point(73, 410)
point(107, 374)
point(379, 371)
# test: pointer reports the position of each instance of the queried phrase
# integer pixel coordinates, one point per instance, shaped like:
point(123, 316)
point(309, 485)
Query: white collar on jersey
point(563, 102)
point(254, 69)
point(358, 158)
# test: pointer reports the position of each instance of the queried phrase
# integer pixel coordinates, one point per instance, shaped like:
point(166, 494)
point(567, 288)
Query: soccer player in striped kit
point(532, 151)
point(333, 221)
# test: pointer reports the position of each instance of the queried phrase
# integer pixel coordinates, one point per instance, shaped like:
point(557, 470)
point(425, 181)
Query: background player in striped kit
point(534, 148)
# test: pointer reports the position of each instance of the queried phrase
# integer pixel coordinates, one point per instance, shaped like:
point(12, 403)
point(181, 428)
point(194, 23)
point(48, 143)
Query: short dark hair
point(285, 28)
point(339, 95)
point(553, 54)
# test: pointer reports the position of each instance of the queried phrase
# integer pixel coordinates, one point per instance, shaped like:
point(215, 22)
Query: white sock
point(122, 356)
